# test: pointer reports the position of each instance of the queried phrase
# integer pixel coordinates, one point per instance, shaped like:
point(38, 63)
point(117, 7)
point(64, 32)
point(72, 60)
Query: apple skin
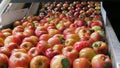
point(39, 62)
point(18, 50)
point(101, 61)
point(44, 37)
point(42, 46)
point(33, 52)
point(54, 40)
point(100, 47)
point(98, 36)
point(80, 45)
point(1, 42)
point(50, 53)
point(26, 45)
point(12, 38)
point(56, 61)
point(87, 53)
point(5, 51)
point(28, 32)
point(58, 47)
point(81, 63)
point(70, 53)
point(19, 59)
point(40, 30)
point(3, 61)
point(80, 23)
point(12, 46)
point(18, 29)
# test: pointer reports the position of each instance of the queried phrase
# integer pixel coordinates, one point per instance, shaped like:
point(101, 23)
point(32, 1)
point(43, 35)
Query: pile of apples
point(64, 35)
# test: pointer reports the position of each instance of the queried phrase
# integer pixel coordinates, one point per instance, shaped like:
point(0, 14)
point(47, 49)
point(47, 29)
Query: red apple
point(42, 46)
point(98, 36)
point(19, 59)
point(26, 45)
point(28, 32)
point(52, 32)
point(81, 63)
point(3, 61)
point(44, 37)
point(50, 53)
point(80, 45)
point(13, 39)
point(12, 46)
point(58, 47)
point(80, 23)
point(18, 50)
point(70, 53)
point(33, 52)
point(54, 40)
point(101, 61)
point(40, 30)
point(39, 62)
point(18, 29)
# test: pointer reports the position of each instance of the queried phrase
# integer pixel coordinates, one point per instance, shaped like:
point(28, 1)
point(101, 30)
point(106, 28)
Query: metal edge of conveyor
point(113, 43)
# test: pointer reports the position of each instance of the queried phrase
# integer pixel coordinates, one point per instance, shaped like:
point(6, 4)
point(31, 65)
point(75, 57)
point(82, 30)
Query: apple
point(3, 61)
point(95, 28)
point(18, 50)
point(17, 23)
point(26, 45)
point(31, 39)
point(18, 29)
point(12, 46)
point(80, 23)
point(6, 34)
point(42, 46)
point(70, 53)
point(28, 32)
point(96, 23)
point(70, 42)
point(98, 35)
point(80, 45)
point(40, 30)
point(52, 32)
point(59, 61)
point(85, 32)
point(12, 38)
point(72, 36)
point(35, 39)
point(50, 53)
point(19, 59)
point(33, 52)
point(68, 31)
point(100, 47)
point(82, 63)
point(39, 62)
point(58, 47)
point(87, 53)
point(1, 42)
point(101, 61)
point(7, 30)
point(44, 37)
point(5, 51)
point(20, 35)
point(54, 40)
